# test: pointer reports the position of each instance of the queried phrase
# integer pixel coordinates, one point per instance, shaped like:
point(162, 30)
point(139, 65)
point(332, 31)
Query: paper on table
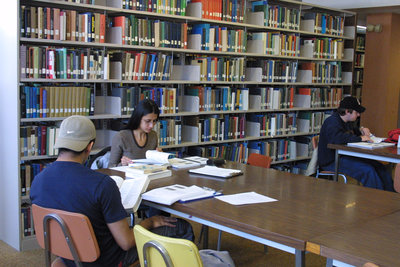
point(245, 198)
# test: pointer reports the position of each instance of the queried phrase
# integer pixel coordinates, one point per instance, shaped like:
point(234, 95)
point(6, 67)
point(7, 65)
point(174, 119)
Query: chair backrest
point(259, 160)
point(96, 156)
point(157, 251)
point(59, 226)
point(396, 179)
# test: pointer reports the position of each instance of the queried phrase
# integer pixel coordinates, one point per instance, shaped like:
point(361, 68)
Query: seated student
point(68, 185)
point(138, 136)
point(340, 129)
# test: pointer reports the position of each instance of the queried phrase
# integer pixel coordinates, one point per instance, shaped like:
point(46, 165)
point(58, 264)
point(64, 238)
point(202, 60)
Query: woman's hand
point(125, 161)
point(365, 131)
point(159, 149)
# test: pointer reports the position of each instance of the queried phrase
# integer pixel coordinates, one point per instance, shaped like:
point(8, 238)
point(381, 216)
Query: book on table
point(168, 195)
point(368, 145)
point(131, 190)
point(154, 157)
point(132, 172)
point(216, 171)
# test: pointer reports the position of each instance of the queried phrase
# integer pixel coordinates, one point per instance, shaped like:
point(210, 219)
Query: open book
point(170, 194)
point(164, 159)
point(130, 190)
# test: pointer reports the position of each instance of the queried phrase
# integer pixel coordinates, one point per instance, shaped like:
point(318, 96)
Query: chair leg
point(204, 236)
point(219, 240)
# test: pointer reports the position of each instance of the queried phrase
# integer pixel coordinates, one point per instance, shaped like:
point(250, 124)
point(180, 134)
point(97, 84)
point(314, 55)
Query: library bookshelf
point(359, 64)
point(227, 77)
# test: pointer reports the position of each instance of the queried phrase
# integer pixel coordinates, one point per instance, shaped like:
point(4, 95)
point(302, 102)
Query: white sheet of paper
point(245, 198)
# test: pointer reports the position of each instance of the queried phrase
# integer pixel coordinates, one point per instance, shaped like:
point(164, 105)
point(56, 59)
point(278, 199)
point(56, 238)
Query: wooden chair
point(155, 250)
point(396, 179)
point(65, 234)
point(314, 142)
point(259, 160)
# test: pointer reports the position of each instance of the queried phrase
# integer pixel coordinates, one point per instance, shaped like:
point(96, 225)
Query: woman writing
point(138, 136)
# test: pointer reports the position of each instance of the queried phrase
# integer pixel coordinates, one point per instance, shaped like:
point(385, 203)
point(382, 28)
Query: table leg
point(335, 177)
point(300, 258)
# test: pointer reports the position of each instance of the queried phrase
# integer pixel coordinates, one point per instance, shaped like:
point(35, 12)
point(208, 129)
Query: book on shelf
point(216, 171)
point(130, 190)
point(170, 194)
point(370, 145)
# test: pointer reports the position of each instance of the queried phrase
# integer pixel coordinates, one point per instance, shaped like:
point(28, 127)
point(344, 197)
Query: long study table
point(388, 154)
point(306, 207)
point(377, 241)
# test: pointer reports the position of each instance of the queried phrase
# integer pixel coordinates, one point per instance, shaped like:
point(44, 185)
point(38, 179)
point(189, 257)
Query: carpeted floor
point(244, 253)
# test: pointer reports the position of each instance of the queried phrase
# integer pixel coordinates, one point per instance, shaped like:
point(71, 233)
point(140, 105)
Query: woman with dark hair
point(138, 136)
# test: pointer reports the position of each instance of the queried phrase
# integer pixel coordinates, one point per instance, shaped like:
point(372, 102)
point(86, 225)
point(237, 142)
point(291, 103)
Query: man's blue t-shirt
point(70, 186)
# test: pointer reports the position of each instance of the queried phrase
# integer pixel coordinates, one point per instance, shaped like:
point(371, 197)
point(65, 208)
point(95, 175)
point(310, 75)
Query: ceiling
point(362, 7)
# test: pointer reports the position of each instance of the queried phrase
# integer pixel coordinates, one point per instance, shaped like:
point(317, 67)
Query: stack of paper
point(131, 173)
point(178, 163)
point(216, 171)
point(170, 194)
point(370, 145)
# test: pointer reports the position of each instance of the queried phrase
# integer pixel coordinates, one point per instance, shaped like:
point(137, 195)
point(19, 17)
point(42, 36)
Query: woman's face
point(147, 123)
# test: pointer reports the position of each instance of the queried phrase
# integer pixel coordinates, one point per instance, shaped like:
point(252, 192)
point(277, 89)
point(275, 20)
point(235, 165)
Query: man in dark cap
point(340, 129)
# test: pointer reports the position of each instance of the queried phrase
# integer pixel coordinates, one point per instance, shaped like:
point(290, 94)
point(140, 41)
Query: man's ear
point(90, 146)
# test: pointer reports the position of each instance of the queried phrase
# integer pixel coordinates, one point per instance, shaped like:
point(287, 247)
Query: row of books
point(321, 72)
point(275, 70)
point(359, 60)
point(322, 48)
point(140, 66)
point(275, 43)
point(177, 7)
point(323, 23)
point(169, 132)
point(63, 63)
point(220, 69)
point(59, 24)
point(56, 101)
point(309, 122)
point(27, 220)
point(271, 124)
point(279, 149)
point(359, 76)
point(318, 97)
point(216, 38)
point(203, 98)
point(38, 140)
point(226, 10)
point(148, 32)
point(360, 43)
point(28, 170)
point(277, 16)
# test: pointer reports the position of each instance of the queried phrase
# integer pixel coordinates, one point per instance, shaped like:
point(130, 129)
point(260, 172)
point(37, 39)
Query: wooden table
point(306, 207)
point(388, 154)
point(377, 241)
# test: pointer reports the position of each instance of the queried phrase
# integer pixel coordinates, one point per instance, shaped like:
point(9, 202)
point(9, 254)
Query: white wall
point(9, 125)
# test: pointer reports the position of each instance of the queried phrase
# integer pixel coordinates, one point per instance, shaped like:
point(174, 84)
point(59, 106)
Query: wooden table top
point(306, 208)
point(391, 152)
point(376, 241)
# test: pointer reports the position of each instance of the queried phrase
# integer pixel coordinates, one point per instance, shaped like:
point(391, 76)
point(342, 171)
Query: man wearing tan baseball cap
point(67, 184)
